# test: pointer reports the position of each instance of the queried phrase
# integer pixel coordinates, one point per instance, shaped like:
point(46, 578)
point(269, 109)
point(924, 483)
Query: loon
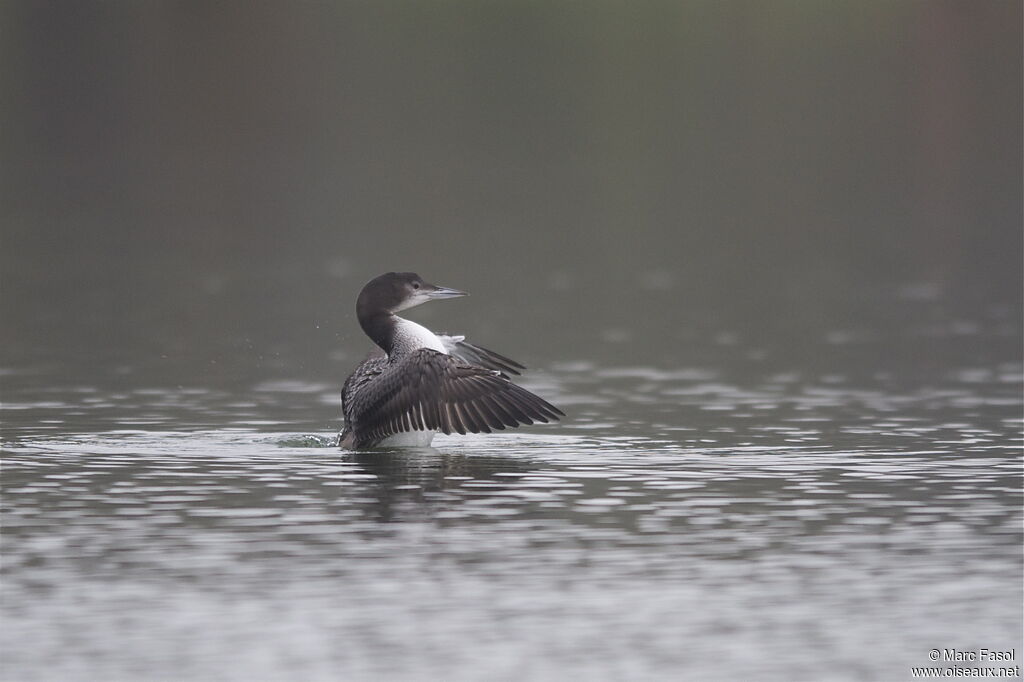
point(416, 382)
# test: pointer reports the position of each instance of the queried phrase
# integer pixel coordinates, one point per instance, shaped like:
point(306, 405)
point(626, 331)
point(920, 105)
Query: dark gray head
point(394, 291)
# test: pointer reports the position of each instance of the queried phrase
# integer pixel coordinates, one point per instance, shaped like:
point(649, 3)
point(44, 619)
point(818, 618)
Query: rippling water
point(678, 525)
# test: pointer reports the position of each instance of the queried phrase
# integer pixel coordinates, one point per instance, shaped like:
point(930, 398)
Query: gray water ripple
point(842, 516)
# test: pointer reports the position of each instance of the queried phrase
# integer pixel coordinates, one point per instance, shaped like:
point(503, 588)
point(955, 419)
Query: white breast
point(409, 439)
point(411, 336)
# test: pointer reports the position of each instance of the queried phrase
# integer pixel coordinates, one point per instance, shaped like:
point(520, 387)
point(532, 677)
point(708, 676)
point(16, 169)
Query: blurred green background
point(201, 189)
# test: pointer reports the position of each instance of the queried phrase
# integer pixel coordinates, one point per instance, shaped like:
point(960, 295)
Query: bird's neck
point(397, 335)
point(380, 327)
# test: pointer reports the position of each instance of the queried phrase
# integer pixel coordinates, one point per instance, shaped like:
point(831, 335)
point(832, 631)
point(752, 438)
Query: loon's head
point(395, 291)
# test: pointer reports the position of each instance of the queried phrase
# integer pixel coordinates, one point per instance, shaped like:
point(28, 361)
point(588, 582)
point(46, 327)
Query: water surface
point(678, 524)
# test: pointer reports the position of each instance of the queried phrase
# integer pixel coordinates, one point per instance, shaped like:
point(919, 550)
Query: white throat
point(410, 336)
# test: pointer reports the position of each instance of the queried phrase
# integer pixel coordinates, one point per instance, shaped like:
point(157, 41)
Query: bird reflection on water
point(427, 474)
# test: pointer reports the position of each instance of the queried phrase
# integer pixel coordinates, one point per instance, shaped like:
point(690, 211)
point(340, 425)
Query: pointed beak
point(445, 292)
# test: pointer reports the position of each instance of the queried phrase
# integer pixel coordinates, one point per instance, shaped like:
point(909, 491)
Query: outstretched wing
point(472, 354)
point(427, 390)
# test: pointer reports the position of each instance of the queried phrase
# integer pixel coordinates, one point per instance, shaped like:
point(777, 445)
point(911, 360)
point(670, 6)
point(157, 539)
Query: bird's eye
point(415, 285)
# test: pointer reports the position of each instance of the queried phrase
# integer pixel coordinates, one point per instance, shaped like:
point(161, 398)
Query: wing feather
point(471, 354)
point(428, 390)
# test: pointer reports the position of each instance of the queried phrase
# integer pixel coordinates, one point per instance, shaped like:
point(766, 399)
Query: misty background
point(193, 193)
